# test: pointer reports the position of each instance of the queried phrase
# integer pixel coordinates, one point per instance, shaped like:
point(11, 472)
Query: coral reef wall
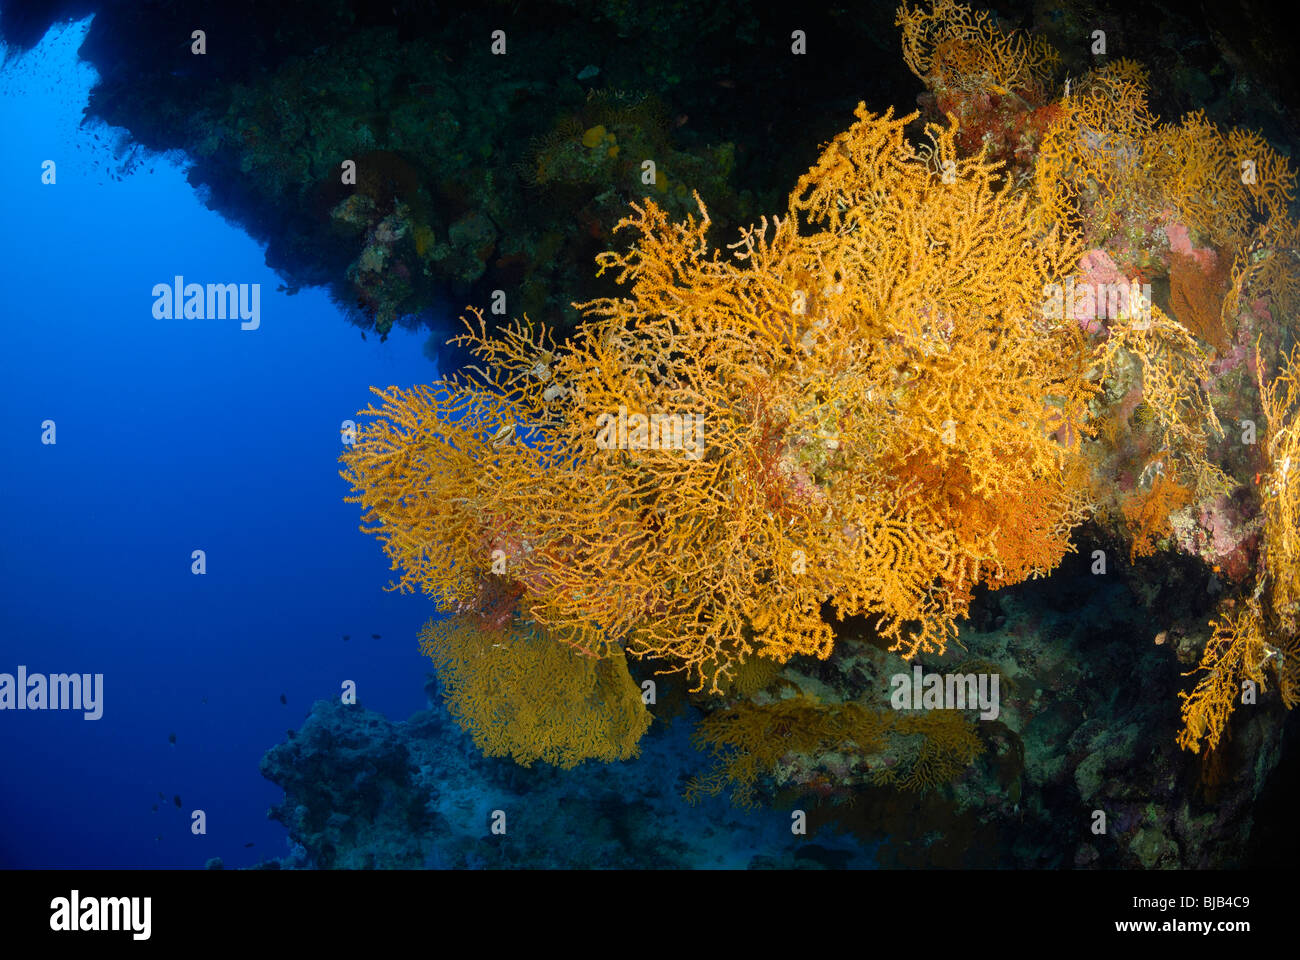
point(960, 340)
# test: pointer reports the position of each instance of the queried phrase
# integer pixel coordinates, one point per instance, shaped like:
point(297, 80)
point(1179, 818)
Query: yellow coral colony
point(885, 419)
point(859, 405)
point(959, 46)
point(1104, 168)
point(523, 696)
point(1262, 634)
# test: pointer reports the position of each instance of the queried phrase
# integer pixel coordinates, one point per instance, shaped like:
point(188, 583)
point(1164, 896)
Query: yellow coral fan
point(1281, 506)
point(958, 46)
point(1234, 191)
point(524, 696)
point(910, 752)
point(423, 469)
point(1106, 165)
point(1222, 185)
point(747, 741)
point(1265, 630)
point(1090, 167)
point(754, 675)
point(1175, 370)
point(938, 747)
point(1235, 653)
point(1148, 513)
point(740, 440)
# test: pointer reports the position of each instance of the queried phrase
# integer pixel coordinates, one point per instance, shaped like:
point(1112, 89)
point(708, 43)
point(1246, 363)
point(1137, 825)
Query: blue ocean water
point(171, 436)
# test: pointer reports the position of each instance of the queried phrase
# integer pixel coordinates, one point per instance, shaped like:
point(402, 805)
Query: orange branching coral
point(741, 439)
point(1147, 513)
point(424, 471)
point(1196, 298)
point(1090, 170)
point(1175, 369)
point(1281, 506)
point(1235, 653)
point(787, 738)
point(1106, 167)
point(861, 338)
point(1033, 530)
point(1264, 631)
point(936, 748)
point(1234, 191)
point(1222, 185)
point(522, 695)
point(1122, 70)
point(958, 46)
point(1009, 536)
point(747, 741)
point(1266, 268)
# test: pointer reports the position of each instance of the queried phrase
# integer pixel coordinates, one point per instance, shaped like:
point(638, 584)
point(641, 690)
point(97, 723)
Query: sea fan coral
point(1261, 633)
point(877, 395)
point(524, 696)
point(866, 405)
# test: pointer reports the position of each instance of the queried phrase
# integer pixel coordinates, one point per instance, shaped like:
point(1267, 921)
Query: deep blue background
point(172, 436)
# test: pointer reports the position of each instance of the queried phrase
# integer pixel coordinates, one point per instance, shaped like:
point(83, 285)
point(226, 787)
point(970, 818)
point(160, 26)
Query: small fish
point(177, 799)
point(155, 808)
point(374, 636)
point(247, 845)
point(160, 795)
point(171, 738)
point(347, 637)
point(283, 699)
